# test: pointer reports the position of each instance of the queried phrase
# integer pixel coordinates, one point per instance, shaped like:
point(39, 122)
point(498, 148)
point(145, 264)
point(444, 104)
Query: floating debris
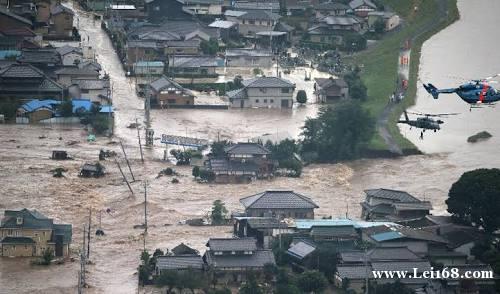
point(481, 136)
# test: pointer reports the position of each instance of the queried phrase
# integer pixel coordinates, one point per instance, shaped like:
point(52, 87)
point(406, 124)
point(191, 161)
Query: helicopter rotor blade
point(432, 114)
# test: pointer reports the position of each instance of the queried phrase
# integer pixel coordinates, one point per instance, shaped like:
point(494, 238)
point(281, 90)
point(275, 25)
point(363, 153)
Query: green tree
point(312, 281)
point(287, 289)
point(357, 89)
point(475, 198)
point(47, 256)
point(324, 259)
point(379, 26)
point(251, 286)
point(167, 279)
point(219, 213)
point(66, 108)
point(354, 42)
point(210, 47)
point(196, 172)
point(218, 148)
point(338, 133)
point(269, 270)
point(100, 124)
point(301, 96)
point(207, 175)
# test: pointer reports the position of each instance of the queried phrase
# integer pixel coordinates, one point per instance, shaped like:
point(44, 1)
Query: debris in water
point(92, 170)
point(60, 155)
point(481, 136)
point(133, 125)
point(58, 172)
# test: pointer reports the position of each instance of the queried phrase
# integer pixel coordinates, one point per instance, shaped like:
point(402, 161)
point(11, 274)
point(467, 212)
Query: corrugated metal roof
point(301, 249)
point(179, 262)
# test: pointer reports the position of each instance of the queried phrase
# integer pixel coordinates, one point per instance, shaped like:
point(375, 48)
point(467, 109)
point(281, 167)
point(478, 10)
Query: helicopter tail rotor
point(431, 89)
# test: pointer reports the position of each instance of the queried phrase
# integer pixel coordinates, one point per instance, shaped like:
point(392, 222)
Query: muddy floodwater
point(26, 180)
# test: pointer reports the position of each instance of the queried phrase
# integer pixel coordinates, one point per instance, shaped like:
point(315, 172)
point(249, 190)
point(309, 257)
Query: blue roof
point(106, 109)
point(9, 53)
point(36, 104)
point(84, 104)
point(306, 224)
point(387, 236)
point(150, 63)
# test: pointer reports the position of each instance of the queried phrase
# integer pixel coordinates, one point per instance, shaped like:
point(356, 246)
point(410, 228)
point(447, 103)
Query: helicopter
point(475, 92)
point(427, 122)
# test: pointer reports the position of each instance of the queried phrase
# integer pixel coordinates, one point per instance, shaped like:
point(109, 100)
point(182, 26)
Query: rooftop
point(247, 148)
point(259, 15)
point(357, 3)
point(232, 244)
point(176, 262)
point(57, 9)
point(256, 260)
point(194, 61)
point(274, 199)
point(63, 50)
point(354, 272)
point(267, 82)
point(45, 56)
point(222, 24)
point(165, 83)
point(334, 231)
point(307, 224)
point(10, 14)
point(248, 52)
point(341, 20)
point(396, 195)
point(301, 249)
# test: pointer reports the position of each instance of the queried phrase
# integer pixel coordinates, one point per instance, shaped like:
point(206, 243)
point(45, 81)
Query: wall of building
point(69, 59)
point(182, 50)
point(18, 250)
point(249, 27)
point(269, 97)
point(41, 238)
point(63, 24)
point(284, 213)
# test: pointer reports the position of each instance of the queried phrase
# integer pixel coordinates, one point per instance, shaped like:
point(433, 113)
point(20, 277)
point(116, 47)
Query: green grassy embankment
point(381, 61)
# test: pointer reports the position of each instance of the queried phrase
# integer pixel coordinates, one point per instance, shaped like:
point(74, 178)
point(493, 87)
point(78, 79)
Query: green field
point(379, 63)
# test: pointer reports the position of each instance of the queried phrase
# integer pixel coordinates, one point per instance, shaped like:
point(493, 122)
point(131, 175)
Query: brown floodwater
point(26, 180)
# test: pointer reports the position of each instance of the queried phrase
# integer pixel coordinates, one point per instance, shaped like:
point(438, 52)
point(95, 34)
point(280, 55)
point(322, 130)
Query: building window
point(285, 90)
point(252, 22)
point(265, 100)
point(272, 100)
point(256, 100)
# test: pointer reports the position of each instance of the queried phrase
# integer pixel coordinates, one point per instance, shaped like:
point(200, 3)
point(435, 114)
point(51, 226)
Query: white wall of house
point(249, 61)
point(250, 27)
point(266, 98)
point(69, 59)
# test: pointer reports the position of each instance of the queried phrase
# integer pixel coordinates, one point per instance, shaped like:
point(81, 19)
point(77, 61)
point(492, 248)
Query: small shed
point(60, 155)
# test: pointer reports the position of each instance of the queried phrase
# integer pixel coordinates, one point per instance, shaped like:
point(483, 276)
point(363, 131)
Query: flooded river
point(27, 182)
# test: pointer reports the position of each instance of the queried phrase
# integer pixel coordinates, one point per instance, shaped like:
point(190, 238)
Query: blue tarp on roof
point(9, 53)
point(387, 236)
point(81, 105)
point(36, 104)
point(106, 109)
point(306, 224)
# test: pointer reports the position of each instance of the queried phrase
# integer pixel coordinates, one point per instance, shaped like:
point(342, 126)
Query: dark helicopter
point(426, 122)
point(475, 92)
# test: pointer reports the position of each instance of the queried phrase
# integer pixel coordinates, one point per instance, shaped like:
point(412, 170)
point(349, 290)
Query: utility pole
point(88, 233)
point(126, 159)
point(145, 206)
point(139, 138)
point(124, 177)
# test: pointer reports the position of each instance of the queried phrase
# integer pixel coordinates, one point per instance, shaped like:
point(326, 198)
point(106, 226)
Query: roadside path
point(404, 73)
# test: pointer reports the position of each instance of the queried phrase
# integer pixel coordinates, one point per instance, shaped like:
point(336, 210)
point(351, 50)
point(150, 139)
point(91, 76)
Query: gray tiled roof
point(334, 231)
point(21, 71)
point(40, 56)
point(177, 262)
point(237, 94)
point(247, 5)
point(259, 15)
point(301, 249)
point(10, 14)
point(278, 199)
point(183, 249)
point(193, 61)
point(63, 50)
point(183, 43)
point(256, 260)
point(354, 271)
point(267, 82)
point(17, 240)
point(391, 194)
point(423, 205)
point(232, 244)
point(422, 265)
point(247, 148)
point(172, 30)
point(357, 3)
point(326, 83)
point(353, 257)
point(164, 82)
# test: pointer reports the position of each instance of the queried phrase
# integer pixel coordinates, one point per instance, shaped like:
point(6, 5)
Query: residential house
point(417, 240)
point(204, 66)
point(285, 28)
point(159, 10)
point(254, 21)
point(242, 163)
point(233, 258)
point(178, 263)
point(460, 239)
point(334, 233)
point(152, 68)
point(279, 204)
point(390, 19)
point(88, 64)
point(166, 92)
point(97, 90)
point(354, 276)
point(61, 21)
point(330, 90)
point(330, 9)
point(67, 74)
point(394, 205)
point(10, 20)
point(249, 58)
point(346, 23)
point(377, 254)
point(36, 110)
point(30, 233)
point(184, 47)
point(42, 18)
point(227, 29)
point(483, 284)
point(25, 80)
point(322, 34)
point(46, 59)
point(362, 7)
point(301, 249)
point(139, 50)
point(183, 249)
point(201, 7)
point(264, 229)
point(70, 56)
point(267, 92)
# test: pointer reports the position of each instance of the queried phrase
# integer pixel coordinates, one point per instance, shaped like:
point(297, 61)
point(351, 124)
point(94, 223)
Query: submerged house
point(279, 204)
point(166, 92)
point(30, 233)
point(330, 90)
point(265, 92)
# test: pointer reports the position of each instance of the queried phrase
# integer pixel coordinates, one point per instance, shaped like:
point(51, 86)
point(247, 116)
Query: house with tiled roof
point(254, 21)
point(362, 7)
point(46, 59)
point(30, 233)
point(264, 92)
point(330, 89)
point(70, 56)
point(393, 205)
point(280, 204)
point(166, 92)
point(233, 258)
point(245, 57)
point(10, 20)
point(194, 65)
point(61, 21)
point(178, 263)
point(25, 80)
